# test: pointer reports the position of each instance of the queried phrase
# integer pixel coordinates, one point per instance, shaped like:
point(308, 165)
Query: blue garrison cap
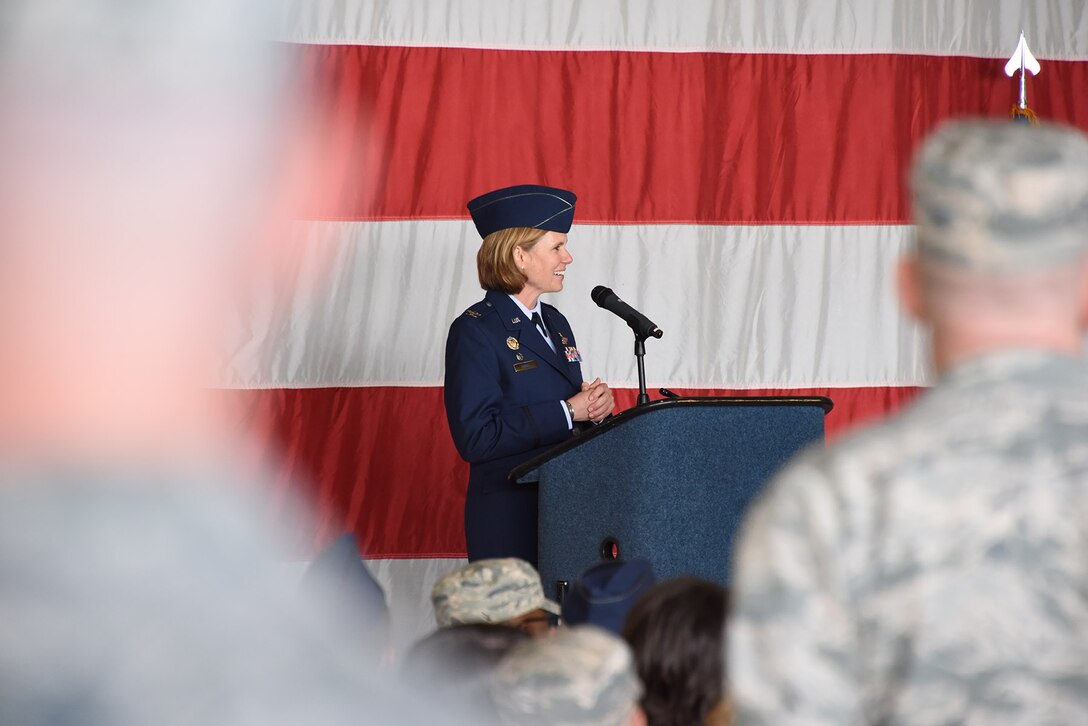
point(339, 576)
point(526, 205)
point(605, 592)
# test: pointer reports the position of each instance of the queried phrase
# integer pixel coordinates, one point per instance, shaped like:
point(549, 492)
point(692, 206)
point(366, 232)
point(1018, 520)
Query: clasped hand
point(593, 403)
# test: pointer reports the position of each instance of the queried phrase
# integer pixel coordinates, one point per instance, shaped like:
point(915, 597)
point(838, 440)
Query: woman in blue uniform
point(514, 385)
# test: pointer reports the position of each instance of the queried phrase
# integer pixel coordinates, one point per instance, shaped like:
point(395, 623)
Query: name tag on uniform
point(526, 366)
point(572, 354)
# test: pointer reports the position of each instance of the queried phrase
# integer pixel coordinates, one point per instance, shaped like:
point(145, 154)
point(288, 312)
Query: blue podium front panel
point(669, 485)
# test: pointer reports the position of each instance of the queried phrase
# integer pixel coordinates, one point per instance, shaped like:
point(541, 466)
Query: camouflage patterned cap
point(580, 675)
point(489, 591)
point(997, 196)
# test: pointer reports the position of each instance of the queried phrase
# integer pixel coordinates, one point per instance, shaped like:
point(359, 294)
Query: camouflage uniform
point(935, 569)
point(581, 676)
point(489, 591)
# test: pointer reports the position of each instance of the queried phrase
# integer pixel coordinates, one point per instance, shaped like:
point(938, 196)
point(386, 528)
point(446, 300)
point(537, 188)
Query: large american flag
point(740, 167)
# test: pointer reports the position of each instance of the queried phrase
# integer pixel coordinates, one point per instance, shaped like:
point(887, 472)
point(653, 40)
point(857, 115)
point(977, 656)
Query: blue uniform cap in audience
point(526, 205)
point(338, 573)
point(605, 592)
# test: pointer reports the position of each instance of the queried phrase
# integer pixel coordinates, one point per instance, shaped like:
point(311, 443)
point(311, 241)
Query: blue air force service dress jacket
point(504, 389)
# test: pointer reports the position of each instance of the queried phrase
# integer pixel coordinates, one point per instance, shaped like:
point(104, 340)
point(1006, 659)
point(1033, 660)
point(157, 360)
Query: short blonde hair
point(495, 260)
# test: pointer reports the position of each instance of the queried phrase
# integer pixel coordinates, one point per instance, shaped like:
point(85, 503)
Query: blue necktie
point(539, 322)
point(540, 326)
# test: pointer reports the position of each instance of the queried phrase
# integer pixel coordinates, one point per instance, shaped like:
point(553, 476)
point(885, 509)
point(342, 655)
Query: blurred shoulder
point(835, 488)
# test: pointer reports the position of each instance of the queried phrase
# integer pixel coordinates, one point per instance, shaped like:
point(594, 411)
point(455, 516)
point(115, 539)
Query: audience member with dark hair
point(676, 633)
point(456, 665)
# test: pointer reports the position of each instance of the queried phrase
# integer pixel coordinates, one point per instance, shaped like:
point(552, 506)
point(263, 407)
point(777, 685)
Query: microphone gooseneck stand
point(640, 353)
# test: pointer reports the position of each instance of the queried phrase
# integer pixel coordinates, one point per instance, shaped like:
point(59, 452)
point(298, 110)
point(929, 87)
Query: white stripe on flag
point(760, 306)
point(1056, 29)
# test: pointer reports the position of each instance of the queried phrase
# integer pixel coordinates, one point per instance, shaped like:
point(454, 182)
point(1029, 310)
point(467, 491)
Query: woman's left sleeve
point(484, 424)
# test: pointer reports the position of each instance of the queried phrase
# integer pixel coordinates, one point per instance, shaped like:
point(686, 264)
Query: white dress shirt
point(529, 317)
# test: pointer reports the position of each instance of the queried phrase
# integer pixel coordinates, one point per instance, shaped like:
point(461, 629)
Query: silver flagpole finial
point(1022, 60)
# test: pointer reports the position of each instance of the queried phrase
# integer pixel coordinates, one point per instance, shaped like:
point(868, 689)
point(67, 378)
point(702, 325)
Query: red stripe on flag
point(641, 136)
point(379, 461)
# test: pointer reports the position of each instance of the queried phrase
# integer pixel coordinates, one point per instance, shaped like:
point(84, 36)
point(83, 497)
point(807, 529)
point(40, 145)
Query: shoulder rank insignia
point(512, 343)
point(472, 313)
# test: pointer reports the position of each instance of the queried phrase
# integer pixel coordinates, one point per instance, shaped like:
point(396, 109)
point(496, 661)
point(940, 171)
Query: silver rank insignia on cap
point(512, 343)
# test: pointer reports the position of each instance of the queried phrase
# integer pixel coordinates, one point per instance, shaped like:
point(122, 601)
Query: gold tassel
point(1023, 115)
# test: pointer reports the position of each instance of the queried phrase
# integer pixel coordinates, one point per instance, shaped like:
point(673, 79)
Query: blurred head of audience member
point(579, 675)
point(676, 632)
point(339, 585)
point(503, 591)
point(1000, 263)
point(139, 144)
point(604, 593)
point(456, 665)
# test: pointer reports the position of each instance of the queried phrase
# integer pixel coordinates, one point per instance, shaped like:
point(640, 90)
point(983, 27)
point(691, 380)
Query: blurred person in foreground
point(676, 631)
point(581, 675)
point(933, 569)
point(138, 583)
point(503, 591)
point(456, 664)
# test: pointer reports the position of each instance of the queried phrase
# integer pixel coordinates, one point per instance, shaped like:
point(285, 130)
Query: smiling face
point(544, 264)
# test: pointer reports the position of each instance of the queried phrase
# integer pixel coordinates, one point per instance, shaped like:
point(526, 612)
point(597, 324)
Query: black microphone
point(642, 325)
